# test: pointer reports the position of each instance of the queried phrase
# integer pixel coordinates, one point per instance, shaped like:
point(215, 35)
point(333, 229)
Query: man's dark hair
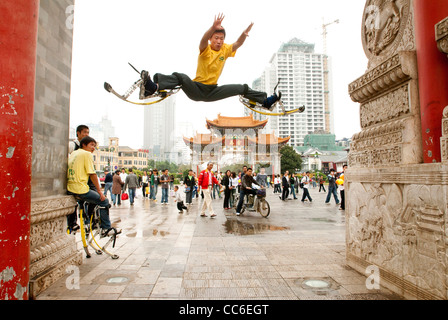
point(223, 31)
point(86, 140)
point(307, 172)
point(249, 169)
point(81, 127)
point(130, 169)
point(332, 170)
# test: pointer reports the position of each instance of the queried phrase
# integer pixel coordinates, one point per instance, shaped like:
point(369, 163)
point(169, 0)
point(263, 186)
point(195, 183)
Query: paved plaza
point(297, 253)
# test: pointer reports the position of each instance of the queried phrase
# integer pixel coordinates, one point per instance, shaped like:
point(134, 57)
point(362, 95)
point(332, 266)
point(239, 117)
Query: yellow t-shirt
point(80, 165)
point(211, 63)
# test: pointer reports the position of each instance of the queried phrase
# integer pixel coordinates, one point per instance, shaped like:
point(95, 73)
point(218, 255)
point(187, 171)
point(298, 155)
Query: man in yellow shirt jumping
point(212, 57)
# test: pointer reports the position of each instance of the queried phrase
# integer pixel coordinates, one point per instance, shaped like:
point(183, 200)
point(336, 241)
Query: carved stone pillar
point(433, 70)
point(444, 138)
point(396, 205)
point(442, 44)
point(18, 44)
point(442, 35)
point(52, 250)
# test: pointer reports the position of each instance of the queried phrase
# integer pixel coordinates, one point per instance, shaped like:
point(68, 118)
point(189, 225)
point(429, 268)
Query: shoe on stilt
point(269, 103)
point(147, 87)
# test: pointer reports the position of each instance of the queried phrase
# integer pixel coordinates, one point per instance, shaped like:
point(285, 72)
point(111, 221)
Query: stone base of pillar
point(52, 249)
point(396, 221)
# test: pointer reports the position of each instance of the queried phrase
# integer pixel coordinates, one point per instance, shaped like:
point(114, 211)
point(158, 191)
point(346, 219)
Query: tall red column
point(18, 41)
point(432, 73)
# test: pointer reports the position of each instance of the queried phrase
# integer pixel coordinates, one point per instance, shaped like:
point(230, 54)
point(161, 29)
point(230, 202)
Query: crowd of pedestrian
point(225, 186)
point(123, 184)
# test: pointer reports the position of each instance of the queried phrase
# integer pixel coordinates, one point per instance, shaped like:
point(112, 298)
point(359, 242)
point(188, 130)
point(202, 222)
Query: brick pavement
point(167, 255)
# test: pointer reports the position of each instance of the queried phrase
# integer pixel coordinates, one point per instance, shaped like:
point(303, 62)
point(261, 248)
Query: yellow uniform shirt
point(80, 165)
point(211, 63)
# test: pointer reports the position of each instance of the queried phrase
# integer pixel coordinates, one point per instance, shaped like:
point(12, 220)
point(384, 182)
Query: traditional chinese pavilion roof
point(208, 139)
point(235, 122)
point(269, 139)
point(203, 139)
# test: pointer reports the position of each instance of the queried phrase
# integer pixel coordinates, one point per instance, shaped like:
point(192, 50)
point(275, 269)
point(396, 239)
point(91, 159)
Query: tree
point(290, 160)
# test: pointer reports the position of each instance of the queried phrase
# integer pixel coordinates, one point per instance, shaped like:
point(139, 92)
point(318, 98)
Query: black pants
point(285, 193)
point(306, 194)
point(189, 195)
point(144, 185)
point(181, 206)
point(321, 186)
point(343, 199)
point(226, 197)
point(201, 92)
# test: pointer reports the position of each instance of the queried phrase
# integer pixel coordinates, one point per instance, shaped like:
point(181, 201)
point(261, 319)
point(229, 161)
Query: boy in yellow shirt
point(212, 58)
point(80, 169)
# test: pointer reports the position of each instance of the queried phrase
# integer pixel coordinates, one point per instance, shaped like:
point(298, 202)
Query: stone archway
point(35, 52)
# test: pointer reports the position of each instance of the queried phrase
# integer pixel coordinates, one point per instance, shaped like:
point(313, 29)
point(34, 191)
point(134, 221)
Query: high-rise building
point(158, 133)
point(301, 72)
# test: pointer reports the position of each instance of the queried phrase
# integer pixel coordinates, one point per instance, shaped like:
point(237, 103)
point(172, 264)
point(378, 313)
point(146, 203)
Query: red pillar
point(432, 73)
point(18, 34)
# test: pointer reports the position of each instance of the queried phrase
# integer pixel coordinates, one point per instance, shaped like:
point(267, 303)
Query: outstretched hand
point(246, 32)
point(218, 21)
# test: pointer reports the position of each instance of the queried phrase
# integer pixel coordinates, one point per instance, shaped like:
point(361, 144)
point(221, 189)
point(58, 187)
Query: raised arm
point(242, 38)
point(208, 34)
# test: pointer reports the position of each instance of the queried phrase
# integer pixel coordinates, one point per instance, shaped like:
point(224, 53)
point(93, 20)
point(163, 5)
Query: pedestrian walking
point(262, 178)
point(241, 191)
point(342, 177)
point(233, 188)
point(277, 184)
point(156, 181)
point(332, 187)
point(151, 181)
point(145, 184)
point(216, 186)
point(131, 184)
point(117, 186)
point(306, 184)
point(171, 181)
point(123, 176)
point(285, 186)
point(165, 184)
point(206, 181)
point(313, 180)
point(226, 182)
point(292, 183)
point(321, 184)
point(189, 184)
point(108, 181)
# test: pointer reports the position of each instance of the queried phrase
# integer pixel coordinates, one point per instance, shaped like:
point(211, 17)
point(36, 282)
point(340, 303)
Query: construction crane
point(324, 32)
point(326, 78)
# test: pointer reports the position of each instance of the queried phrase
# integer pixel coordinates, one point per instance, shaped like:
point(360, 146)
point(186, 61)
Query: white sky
point(164, 37)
